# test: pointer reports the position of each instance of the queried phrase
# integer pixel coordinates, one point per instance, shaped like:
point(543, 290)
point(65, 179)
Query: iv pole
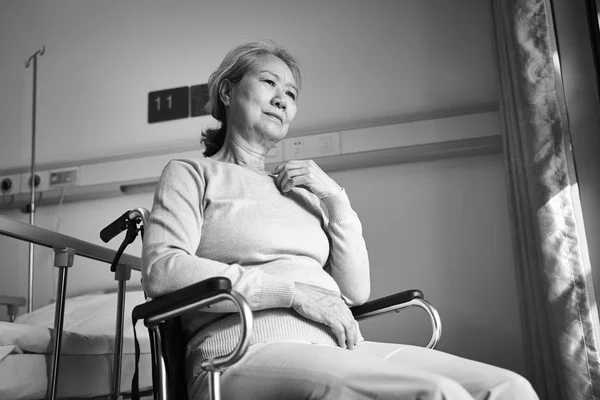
point(31, 210)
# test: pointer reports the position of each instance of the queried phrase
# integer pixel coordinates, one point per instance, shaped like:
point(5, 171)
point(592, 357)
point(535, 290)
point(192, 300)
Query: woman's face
point(263, 104)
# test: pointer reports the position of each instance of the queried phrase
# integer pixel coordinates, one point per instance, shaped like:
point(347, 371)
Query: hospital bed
point(87, 350)
point(97, 352)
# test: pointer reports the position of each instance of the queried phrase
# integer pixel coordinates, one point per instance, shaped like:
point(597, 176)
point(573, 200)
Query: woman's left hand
point(305, 174)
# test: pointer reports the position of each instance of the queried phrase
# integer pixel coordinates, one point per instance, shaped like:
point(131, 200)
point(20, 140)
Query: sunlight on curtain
point(558, 308)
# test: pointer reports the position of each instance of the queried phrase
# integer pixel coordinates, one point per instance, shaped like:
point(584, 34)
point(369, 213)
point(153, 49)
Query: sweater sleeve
point(348, 261)
point(172, 236)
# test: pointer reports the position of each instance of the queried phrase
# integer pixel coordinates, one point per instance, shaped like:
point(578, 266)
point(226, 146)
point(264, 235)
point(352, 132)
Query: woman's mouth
point(275, 117)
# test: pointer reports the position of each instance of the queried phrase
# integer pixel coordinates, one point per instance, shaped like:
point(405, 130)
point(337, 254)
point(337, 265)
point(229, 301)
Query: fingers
point(293, 164)
point(346, 332)
point(351, 334)
point(340, 332)
point(306, 174)
point(327, 307)
point(350, 337)
point(290, 178)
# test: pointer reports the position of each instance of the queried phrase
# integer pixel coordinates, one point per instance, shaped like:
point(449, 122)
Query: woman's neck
point(238, 151)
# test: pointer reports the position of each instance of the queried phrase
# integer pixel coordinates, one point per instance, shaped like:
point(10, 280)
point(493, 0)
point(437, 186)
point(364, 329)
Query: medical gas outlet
point(10, 184)
point(6, 184)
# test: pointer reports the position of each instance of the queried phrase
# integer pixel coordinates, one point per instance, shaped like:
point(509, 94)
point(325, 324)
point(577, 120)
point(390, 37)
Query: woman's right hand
point(327, 307)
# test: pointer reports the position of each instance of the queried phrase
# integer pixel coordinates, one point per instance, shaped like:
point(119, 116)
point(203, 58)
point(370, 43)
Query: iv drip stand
point(34, 57)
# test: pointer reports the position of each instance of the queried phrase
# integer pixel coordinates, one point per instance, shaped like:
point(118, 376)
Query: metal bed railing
point(65, 249)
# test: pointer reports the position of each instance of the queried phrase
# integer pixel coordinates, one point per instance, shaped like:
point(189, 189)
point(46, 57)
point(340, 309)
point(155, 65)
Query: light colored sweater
point(211, 218)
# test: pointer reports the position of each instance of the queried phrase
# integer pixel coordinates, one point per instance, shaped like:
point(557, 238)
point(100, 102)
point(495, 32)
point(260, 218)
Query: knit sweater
point(211, 218)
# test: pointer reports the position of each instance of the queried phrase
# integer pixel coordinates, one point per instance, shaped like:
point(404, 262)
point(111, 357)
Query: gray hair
point(237, 63)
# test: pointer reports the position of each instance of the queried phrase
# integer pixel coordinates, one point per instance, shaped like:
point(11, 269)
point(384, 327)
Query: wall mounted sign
point(169, 104)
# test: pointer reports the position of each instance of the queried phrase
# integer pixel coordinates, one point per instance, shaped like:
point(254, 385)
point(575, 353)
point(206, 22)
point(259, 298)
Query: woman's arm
point(172, 236)
point(348, 261)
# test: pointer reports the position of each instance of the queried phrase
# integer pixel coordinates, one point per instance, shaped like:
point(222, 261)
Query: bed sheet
point(25, 376)
point(87, 349)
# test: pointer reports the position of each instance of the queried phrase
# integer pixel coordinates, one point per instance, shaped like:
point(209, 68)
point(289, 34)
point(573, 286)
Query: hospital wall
point(364, 63)
point(439, 225)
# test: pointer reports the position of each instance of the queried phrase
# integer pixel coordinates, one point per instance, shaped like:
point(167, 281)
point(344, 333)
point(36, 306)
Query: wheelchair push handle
point(120, 224)
point(115, 227)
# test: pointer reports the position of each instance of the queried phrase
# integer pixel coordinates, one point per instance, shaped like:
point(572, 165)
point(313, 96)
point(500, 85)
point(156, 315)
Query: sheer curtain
point(557, 310)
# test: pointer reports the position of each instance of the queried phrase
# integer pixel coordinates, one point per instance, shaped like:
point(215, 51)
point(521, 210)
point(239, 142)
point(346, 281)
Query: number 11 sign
point(169, 104)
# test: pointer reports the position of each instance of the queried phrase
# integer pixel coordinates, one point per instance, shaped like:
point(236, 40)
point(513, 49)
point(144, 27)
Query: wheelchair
point(162, 318)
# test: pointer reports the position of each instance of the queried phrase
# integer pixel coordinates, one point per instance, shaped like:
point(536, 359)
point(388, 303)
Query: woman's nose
point(279, 102)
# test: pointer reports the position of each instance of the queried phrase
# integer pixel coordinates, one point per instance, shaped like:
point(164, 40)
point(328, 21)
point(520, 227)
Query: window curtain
point(558, 308)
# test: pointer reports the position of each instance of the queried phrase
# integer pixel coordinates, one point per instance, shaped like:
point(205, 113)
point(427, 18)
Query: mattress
point(87, 349)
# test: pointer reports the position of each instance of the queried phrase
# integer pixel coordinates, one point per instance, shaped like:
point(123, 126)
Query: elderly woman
point(299, 266)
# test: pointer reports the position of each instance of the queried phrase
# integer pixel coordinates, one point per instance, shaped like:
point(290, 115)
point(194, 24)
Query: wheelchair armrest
point(12, 304)
point(384, 304)
point(196, 296)
point(397, 302)
point(180, 301)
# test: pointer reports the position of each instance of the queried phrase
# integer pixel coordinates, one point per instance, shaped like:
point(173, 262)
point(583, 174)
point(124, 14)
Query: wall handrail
point(47, 238)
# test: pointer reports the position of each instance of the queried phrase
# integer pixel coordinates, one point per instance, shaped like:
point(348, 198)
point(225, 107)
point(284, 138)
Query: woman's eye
point(270, 82)
point(292, 95)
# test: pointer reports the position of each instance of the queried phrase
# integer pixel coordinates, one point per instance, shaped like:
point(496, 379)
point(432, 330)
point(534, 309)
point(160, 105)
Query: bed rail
point(47, 238)
point(65, 250)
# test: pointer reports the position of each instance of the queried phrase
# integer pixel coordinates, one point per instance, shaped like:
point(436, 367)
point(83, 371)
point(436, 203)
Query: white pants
point(293, 370)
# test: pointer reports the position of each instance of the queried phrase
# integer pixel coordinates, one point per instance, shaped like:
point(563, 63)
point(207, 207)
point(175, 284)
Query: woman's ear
point(225, 91)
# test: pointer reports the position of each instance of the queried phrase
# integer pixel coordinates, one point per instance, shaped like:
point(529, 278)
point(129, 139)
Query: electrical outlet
point(294, 148)
point(298, 148)
point(312, 146)
point(325, 145)
point(64, 177)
